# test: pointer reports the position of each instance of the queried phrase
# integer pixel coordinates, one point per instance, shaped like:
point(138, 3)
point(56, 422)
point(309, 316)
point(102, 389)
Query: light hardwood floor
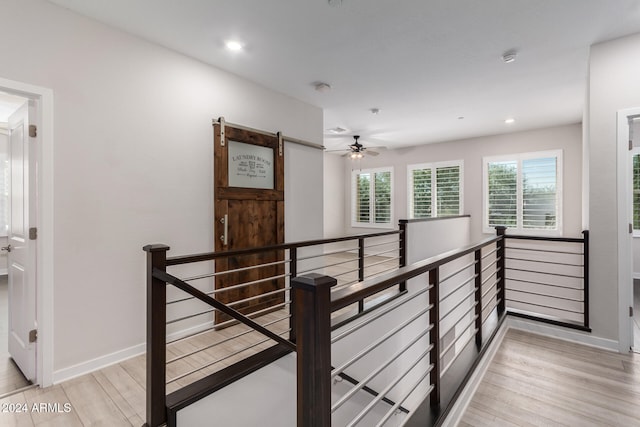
point(10, 376)
point(540, 381)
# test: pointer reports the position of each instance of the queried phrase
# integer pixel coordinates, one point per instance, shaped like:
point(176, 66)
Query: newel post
point(585, 275)
point(501, 273)
point(156, 336)
point(313, 348)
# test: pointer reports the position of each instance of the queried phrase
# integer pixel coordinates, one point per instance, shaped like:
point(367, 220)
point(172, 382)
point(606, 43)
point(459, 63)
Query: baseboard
point(101, 362)
point(98, 363)
point(458, 409)
point(584, 338)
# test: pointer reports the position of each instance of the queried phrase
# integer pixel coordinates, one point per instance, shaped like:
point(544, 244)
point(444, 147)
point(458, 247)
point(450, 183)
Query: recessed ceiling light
point(460, 117)
point(322, 87)
point(509, 56)
point(510, 120)
point(234, 45)
point(337, 130)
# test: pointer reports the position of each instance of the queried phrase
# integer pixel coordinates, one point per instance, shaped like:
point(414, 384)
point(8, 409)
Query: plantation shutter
point(362, 209)
point(382, 194)
point(503, 193)
point(448, 190)
point(539, 203)
point(421, 193)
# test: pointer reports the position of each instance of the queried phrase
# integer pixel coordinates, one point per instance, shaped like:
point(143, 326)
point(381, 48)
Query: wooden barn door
point(249, 212)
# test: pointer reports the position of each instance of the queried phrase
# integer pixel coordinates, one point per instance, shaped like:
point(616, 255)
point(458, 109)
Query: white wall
point(568, 138)
point(133, 164)
point(614, 85)
point(334, 196)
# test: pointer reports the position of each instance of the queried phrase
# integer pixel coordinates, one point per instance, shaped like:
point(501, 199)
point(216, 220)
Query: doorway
point(42, 101)
point(17, 355)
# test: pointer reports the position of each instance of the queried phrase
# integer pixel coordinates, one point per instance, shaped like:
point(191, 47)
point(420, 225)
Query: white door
point(22, 250)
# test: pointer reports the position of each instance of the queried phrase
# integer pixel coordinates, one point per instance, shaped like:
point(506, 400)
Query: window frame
point(354, 198)
point(519, 158)
point(434, 186)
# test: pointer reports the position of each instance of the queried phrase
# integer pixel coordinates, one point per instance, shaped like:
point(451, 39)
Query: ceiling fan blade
point(371, 153)
point(335, 151)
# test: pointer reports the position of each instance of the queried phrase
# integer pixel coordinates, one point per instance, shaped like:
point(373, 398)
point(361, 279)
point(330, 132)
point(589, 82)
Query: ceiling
point(433, 68)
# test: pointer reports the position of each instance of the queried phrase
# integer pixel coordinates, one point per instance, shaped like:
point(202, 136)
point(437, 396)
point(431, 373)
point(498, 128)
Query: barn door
point(249, 212)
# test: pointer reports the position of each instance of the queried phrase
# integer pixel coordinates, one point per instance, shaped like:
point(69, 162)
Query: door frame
point(625, 249)
point(44, 243)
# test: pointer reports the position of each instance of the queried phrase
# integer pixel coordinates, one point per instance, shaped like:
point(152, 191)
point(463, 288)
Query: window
point(523, 192)
point(435, 189)
point(372, 198)
point(635, 159)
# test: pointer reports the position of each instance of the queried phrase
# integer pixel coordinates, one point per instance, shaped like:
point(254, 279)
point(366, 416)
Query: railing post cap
point(500, 229)
point(313, 281)
point(156, 247)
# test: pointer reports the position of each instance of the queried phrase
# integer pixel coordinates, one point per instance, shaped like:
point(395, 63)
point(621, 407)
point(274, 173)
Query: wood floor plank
point(11, 416)
point(92, 404)
point(54, 395)
point(538, 380)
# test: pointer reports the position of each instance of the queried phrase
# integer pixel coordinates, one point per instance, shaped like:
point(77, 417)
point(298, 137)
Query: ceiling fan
point(357, 150)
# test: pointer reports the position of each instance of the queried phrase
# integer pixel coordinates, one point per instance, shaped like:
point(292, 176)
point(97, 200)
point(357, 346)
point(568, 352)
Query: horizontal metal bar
point(190, 316)
point(546, 295)
point(300, 273)
point(544, 272)
point(452, 361)
point(217, 343)
point(545, 284)
point(382, 244)
point(489, 277)
point(379, 314)
point(471, 264)
point(381, 253)
point(543, 250)
point(381, 262)
point(492, 301)
point(451, 344)
point(346, 272)
point(415, 385)
point(379, 369)
point(208, 256)
point(388, 388)
point(344, 285)
point(381, 340)
point(491, 252)
point(494, 262)
point(366, 276)
point(168, 278)
point(463, 299)
point(348, 295)
point(193, 371)
point(230, 322)
point(545, 262)
point(235, 270)
point(458, 287)
point(340, 251)
point(492, 286)
point(544, 306)
point(265, 294)
point(230, 288)
point(461, 318)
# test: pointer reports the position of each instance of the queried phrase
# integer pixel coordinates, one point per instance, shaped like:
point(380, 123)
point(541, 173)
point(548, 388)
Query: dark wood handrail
point(208, 256)
point(168, 278)
point(358, 291)
point(545, 239)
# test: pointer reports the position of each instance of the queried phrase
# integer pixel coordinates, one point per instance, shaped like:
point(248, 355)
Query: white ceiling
point(423, 63)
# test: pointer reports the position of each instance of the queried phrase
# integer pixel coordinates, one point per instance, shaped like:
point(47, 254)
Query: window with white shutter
point(523, 192)
point(372, 198)
point(435, 189)
point(635, 159)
